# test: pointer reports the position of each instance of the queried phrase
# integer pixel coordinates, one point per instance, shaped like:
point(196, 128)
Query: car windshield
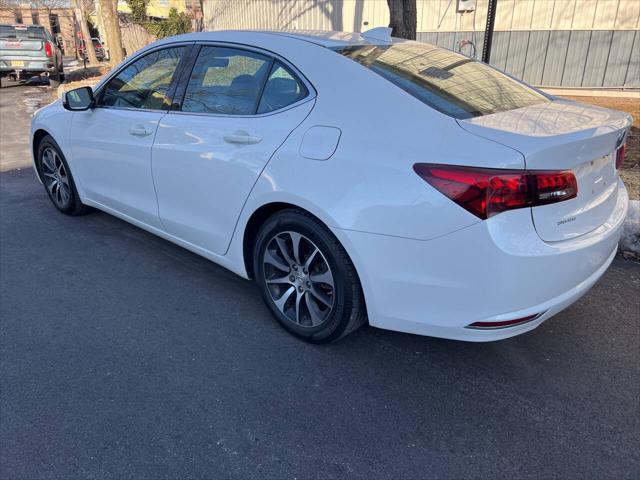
point(13, 31)
point(453, 84)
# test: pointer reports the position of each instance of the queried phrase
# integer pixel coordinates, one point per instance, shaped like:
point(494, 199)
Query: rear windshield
point(12, 31)
point(451, 83)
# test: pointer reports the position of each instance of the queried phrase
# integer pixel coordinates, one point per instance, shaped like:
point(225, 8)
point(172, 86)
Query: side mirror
point(78, 99)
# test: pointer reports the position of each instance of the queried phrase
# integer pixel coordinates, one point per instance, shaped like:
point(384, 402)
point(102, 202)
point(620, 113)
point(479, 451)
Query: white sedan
point(357, 178)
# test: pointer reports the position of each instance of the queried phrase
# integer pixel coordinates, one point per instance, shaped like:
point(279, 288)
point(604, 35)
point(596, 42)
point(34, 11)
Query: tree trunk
point(101, 29)
point(86, 36)
point(109, 11)
point(403, 16)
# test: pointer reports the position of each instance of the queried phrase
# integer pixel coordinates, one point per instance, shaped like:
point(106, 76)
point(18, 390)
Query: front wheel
point(306, 278)
point(57, 179)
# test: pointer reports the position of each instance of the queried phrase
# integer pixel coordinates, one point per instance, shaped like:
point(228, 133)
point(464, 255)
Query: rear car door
point(238, 106)
point(112, 142)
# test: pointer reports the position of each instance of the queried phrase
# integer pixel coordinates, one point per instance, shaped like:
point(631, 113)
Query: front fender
point(55, 121)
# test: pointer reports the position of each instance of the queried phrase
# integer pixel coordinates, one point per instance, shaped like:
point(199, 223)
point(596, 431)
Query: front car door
point(239, 105)
point(112, 142)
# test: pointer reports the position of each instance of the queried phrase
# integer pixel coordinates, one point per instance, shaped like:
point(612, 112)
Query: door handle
point(139, 131)
point(242, 138)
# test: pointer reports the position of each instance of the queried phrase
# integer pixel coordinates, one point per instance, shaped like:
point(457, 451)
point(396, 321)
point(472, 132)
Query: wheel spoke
point(283, 250)
point(47, 161)
point(309, 260)
point(58, 194)
point(320, 296)
point(64, 192)
point(295, 243)
point(314, 313)
point(271, 259)
point(324, 277)
point(65, 180)
point(280, 280)
point(298, 300)
point(283, 299)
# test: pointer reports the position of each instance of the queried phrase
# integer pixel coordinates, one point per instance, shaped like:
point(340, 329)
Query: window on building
point(35, 18)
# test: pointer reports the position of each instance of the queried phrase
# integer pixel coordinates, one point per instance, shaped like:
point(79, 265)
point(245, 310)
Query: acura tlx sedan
point(356, 177)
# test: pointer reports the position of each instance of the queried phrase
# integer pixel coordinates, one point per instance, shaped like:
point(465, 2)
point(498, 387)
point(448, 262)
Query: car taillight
point(620, 155)
point(48, 50)
point(486, 192)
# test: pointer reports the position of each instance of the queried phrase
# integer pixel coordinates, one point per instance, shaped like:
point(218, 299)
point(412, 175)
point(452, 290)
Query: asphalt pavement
point(125, 356)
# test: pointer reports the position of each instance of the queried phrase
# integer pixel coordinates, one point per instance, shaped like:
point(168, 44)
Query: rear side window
point(282, 89)
point(453, 84)
point(226, 81)
point(11, 31)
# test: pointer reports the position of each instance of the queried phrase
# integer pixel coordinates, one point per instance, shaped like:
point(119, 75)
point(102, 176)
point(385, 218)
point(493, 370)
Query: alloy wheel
point(299, 279)
point(56, 178)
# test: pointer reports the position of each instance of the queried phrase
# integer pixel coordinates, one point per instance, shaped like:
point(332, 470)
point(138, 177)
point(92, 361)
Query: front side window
point(281, 89)
point(226, 81)
point(145, 82)
point(451, 83)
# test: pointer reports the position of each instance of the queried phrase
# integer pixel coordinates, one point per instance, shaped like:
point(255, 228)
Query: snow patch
point(630, 240)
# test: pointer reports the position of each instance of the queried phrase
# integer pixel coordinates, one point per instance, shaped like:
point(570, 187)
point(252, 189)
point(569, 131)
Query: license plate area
point(17, 63)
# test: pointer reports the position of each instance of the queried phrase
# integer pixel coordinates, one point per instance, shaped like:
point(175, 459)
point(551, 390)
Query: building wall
point(65, 23)
point(570, 43)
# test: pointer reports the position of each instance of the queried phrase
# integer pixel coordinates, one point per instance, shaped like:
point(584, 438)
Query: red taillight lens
point(620, 155)
point(48, 50)
point(486, 192)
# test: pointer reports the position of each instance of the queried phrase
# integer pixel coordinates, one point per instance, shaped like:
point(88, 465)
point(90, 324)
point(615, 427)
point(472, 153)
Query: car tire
point(57, 179)
point(313, 289)
point(55, 80)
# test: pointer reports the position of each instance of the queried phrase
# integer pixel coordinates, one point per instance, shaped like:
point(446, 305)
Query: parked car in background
point(355, 177)
point(97, 46)
point(28, 50)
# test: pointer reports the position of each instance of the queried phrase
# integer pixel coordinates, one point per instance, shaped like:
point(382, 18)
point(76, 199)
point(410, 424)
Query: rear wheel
point(57, 179)
point(306, 278)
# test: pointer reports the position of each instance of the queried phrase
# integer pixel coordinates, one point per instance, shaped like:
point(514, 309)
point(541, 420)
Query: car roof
point(329, 39)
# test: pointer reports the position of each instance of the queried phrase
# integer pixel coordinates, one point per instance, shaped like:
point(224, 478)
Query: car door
point(238, 106)
point(112, 142)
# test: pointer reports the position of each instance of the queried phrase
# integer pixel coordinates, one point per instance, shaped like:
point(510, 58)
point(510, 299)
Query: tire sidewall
point(338, 320)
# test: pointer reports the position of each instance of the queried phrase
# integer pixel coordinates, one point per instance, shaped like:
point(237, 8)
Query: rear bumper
point(29, 64)
point(492, 271)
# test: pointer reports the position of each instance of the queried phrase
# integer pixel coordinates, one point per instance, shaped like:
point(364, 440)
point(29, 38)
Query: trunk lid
point(564, 135)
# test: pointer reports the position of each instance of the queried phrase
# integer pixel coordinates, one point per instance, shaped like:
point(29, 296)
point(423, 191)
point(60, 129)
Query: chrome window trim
point(311, 91)
point(306, 99)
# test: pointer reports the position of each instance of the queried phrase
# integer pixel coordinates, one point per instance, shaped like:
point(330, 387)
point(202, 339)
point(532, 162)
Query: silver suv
point(27, 50)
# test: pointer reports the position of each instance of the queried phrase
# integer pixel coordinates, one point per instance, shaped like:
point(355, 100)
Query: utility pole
point(109, 10)
point(86, 36)
point(488, 31)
